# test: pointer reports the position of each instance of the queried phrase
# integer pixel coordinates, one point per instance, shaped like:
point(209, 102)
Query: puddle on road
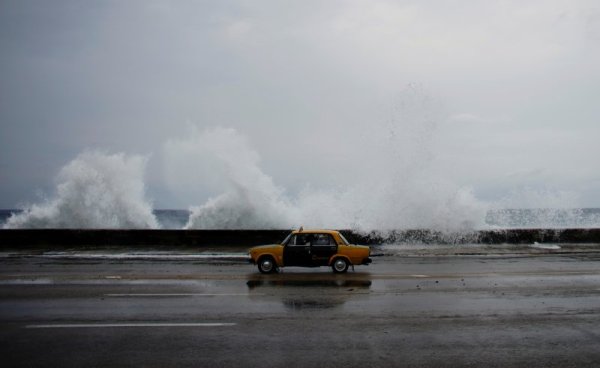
point(313, 304)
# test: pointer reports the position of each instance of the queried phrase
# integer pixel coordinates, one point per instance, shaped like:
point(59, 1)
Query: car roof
point(312, 231)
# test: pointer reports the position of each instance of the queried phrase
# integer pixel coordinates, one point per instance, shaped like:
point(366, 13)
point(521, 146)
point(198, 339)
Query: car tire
point(339, 265)
point(267, 265)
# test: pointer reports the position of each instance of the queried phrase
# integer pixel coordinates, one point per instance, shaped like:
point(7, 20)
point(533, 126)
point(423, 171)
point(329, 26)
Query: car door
point(297, 251)
point(323, 246)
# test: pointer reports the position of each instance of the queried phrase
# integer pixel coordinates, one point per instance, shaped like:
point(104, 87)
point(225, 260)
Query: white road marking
point(140, 324)
point(419, 275)
point(174, 294)
point(142, 256)
point(32, 281)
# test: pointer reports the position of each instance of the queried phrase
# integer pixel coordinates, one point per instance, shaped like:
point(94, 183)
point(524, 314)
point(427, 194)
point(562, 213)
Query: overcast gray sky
point(499, 96)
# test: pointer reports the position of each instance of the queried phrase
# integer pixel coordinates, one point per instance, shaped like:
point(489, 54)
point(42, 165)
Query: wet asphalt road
point(449, 311)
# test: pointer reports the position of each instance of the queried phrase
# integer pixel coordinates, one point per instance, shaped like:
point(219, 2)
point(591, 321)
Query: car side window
point(322, 240)
point(311, 239)
point(300, 239)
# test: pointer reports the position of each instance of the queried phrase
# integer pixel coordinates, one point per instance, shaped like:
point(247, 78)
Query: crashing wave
point(95, 190)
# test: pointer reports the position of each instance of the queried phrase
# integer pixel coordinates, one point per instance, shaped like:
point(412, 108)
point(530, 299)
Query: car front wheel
point(267, 265)
point(340, 265)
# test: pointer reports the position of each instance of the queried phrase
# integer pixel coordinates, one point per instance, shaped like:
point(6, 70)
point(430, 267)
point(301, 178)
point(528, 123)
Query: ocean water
point(166, 219)
point(495, 219)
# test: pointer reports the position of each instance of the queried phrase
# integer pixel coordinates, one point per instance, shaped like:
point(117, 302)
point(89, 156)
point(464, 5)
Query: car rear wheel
point(339, 265)
point(266, 265)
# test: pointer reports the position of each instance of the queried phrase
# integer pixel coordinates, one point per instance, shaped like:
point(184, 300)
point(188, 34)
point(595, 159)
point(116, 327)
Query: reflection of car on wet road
point(309, 291)
point(310, 248)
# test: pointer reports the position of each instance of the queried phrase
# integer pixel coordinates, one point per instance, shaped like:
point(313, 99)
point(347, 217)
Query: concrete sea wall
point(70, 238)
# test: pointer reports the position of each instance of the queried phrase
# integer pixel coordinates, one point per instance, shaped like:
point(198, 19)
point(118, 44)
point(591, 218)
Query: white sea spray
point(222, 161)
point(95, 190)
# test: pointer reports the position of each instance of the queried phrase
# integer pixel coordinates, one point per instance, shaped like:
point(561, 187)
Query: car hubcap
point(267, 265)
point(340, 265)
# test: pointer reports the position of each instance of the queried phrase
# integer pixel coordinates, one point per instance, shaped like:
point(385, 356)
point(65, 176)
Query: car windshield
point(344, 239)
point(287, 238)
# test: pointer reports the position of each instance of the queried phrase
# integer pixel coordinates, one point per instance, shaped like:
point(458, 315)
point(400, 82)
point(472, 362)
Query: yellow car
point(310, 248)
